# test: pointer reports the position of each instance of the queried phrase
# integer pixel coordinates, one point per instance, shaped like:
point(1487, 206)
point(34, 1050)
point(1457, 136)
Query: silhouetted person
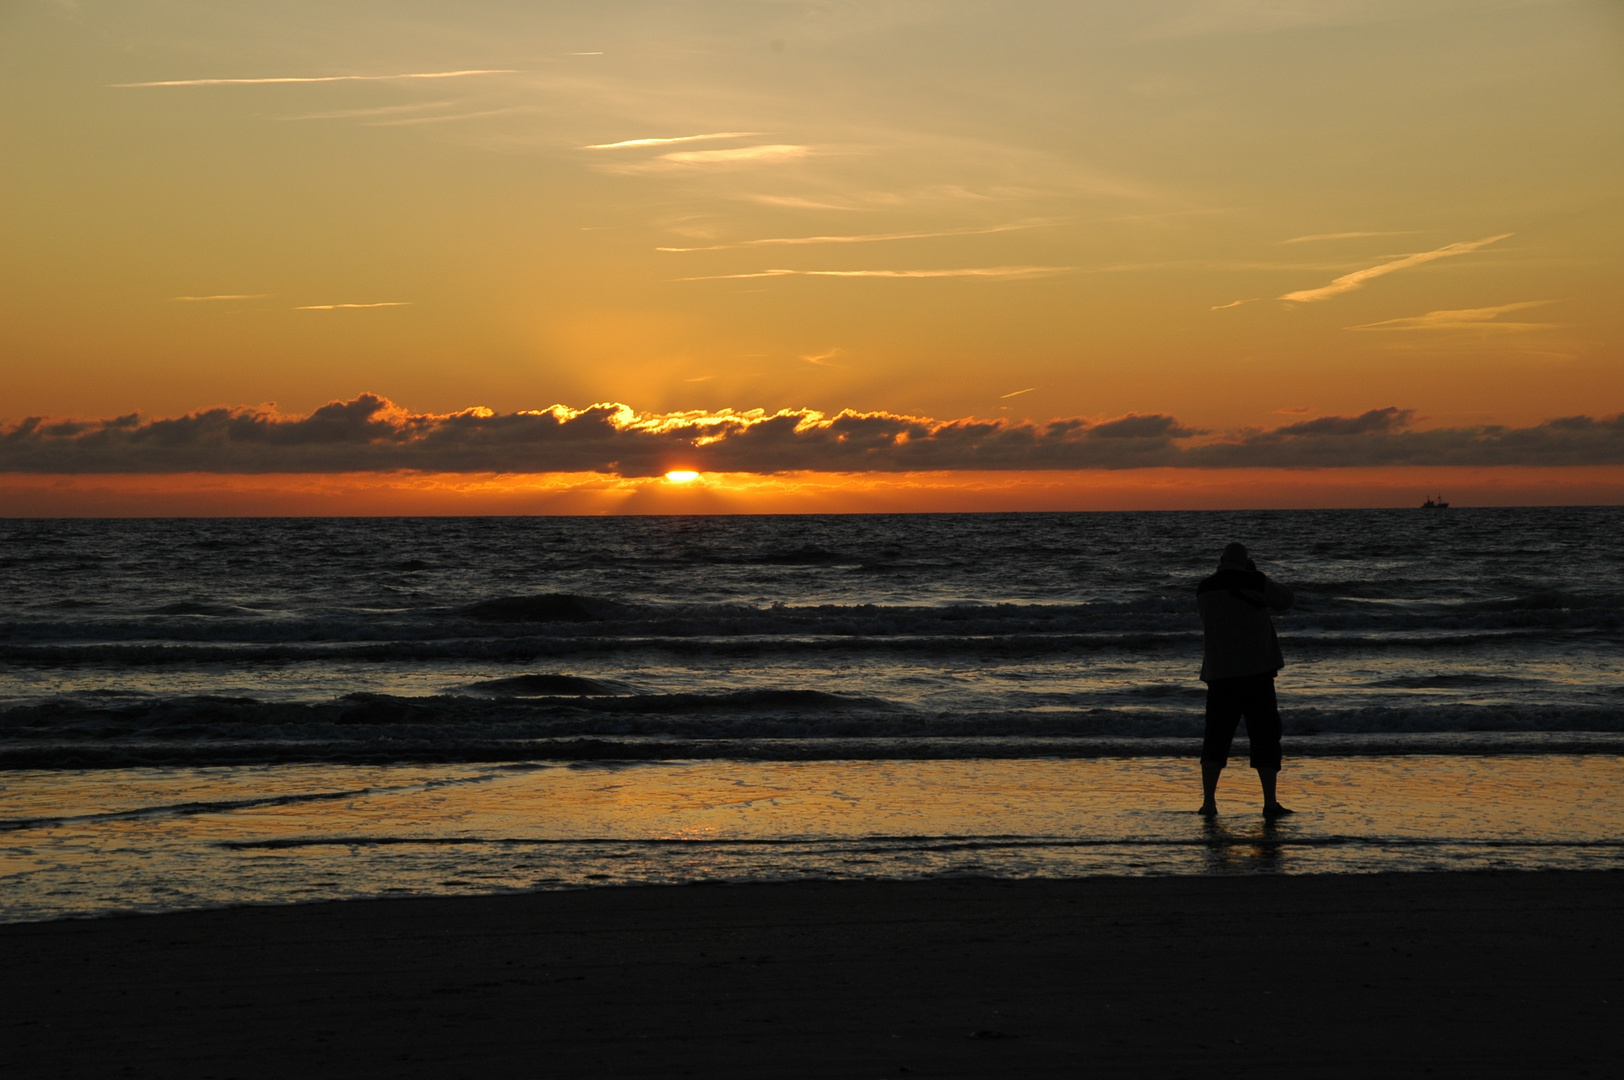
point(1240, 655)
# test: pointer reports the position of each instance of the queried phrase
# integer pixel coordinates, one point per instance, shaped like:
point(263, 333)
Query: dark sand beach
point(1504, 974)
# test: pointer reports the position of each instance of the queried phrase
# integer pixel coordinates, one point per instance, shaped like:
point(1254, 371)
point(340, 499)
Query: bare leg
point(1209, 788)
point(1271, 805)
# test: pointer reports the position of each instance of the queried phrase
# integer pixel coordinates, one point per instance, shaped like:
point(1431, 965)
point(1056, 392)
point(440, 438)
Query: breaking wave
point(955, 634)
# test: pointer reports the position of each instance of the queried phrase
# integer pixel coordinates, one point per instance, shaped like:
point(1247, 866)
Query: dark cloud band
point(372, 434)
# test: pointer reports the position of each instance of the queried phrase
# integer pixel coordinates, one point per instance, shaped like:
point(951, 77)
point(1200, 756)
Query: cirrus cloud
point(282, 79)
point(1017, 272)
point(667, 140)
point(1485, 318)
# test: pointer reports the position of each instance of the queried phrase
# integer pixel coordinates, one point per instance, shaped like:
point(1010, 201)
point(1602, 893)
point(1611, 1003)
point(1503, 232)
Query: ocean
point(198, 712)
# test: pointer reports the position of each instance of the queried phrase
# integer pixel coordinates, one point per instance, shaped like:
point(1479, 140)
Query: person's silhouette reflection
point(1229, 853)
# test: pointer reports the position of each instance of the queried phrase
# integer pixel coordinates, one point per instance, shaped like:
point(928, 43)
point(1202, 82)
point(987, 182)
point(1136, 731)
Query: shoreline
point(183, 754)
point(155, 840)
point(1477, 973)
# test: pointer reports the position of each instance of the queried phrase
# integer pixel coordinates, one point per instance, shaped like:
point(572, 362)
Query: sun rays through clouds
point(1133, 235)
point(373, 434)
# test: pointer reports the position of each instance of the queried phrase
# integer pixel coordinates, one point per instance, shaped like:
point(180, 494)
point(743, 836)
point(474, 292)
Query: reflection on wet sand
point(1256, 847)
point(150, 840)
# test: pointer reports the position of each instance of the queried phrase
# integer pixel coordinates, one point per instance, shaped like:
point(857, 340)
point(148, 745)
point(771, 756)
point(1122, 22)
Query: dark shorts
point(1251, 696)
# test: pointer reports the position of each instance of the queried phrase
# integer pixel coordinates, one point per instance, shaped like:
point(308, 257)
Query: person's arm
point(1277, 596)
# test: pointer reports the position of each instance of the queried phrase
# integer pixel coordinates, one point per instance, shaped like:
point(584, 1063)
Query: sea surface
point(240, 700)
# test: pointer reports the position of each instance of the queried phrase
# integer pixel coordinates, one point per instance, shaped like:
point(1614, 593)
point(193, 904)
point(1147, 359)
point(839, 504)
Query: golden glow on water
point(306, 832)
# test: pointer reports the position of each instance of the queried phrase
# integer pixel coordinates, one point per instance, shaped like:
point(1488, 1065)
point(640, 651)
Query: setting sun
point(1212, 245)
point(961, 474)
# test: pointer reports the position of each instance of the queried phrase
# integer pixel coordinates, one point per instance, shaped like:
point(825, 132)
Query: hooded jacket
point(1237, 634)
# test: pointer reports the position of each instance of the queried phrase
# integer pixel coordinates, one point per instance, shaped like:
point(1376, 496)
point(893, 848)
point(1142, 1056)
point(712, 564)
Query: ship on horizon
point(1435, 503)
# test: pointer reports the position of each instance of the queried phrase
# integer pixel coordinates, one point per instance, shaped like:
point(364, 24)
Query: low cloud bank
point(373, 434)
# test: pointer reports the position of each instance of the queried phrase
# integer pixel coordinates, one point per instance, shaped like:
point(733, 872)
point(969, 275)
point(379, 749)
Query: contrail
point(1349, 282)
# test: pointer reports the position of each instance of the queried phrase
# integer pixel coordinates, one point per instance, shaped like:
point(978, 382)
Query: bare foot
point(1275, 810)
point(1208, 810)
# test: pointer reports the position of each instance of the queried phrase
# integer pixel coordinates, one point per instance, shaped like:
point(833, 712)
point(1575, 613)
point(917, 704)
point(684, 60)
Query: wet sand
point(1489, 974)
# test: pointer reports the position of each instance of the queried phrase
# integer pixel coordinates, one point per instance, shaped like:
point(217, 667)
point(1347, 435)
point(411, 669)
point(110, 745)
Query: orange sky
point(1234, 215)
point(413, 494)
